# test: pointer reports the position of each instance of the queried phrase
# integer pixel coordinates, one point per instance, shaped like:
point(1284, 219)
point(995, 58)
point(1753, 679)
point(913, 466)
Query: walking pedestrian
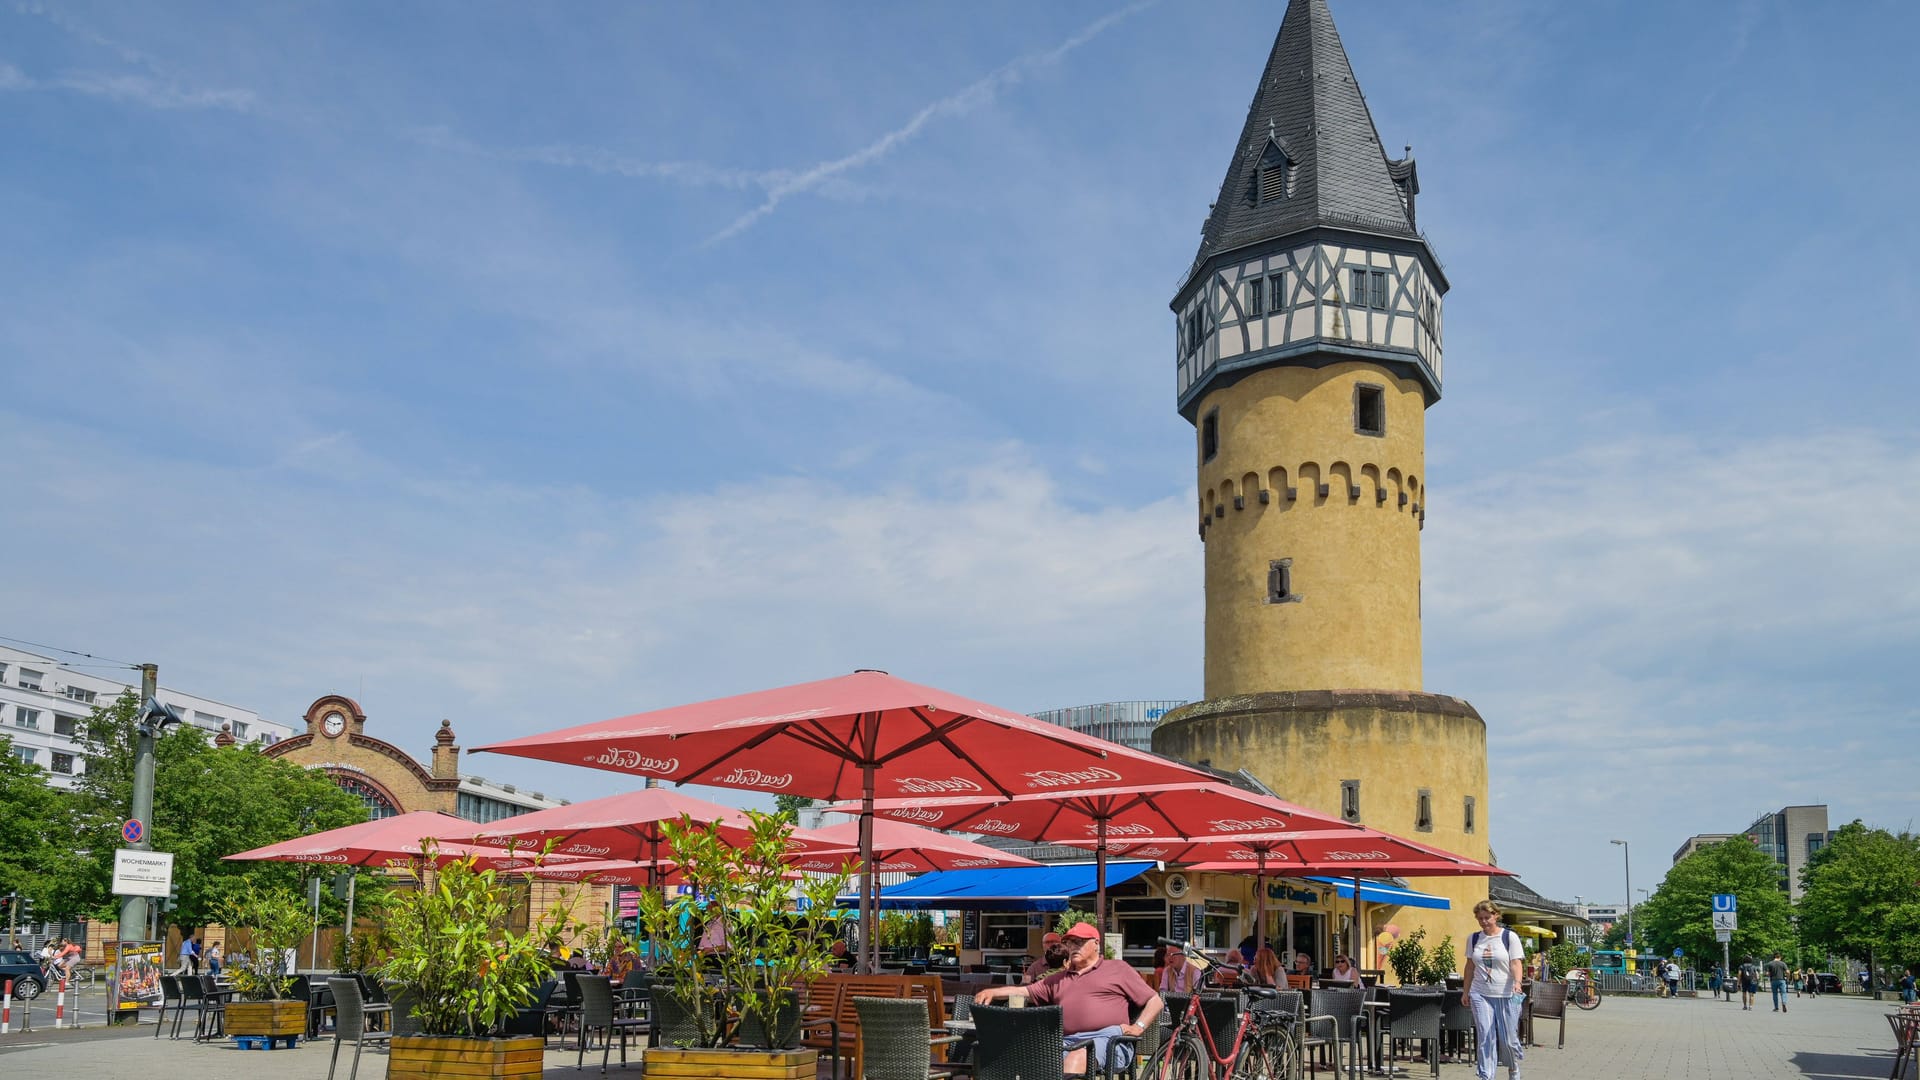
point(1777, 982)
point(1492, 973)
point(213, 958)
point(1749, 982)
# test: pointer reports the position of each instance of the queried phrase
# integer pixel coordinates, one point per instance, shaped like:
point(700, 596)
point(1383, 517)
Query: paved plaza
point(1831, 1038)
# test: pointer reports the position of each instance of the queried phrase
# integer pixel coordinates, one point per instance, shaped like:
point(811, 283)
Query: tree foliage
point(28, 854)
point(791, 805)
point(209, 802)
point(1862, 894)
point(1679, 914)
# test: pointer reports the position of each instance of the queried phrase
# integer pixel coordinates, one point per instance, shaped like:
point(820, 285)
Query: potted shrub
point(461, 974)
point(263, 1006)
point(779, 934)
point(1407, 957)
point(1439, 963)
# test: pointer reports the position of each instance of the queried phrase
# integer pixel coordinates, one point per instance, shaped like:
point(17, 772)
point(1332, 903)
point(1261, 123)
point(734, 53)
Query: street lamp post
point(1626, 861)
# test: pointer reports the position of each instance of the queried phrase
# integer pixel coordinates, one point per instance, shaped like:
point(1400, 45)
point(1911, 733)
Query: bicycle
point(1191, 1049)
point(1582, 990)
point(78, 977)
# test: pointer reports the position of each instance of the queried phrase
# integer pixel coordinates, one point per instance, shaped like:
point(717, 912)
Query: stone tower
point(1307, 351)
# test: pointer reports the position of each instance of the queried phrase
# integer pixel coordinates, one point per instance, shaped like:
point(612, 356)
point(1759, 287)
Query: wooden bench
point(832, 1023)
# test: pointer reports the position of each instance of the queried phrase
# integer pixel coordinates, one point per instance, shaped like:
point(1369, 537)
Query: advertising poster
point(136, 979)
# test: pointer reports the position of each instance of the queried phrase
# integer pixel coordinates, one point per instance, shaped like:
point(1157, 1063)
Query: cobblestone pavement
point(1829, 1038)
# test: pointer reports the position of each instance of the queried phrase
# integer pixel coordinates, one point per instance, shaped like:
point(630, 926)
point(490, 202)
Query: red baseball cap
point(1083, 931)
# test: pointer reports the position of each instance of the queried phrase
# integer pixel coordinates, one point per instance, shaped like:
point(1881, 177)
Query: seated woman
point(1266, 967)
point(1343, 972)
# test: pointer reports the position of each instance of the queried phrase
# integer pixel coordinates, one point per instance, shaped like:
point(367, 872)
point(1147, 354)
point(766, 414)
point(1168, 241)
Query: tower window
point(1256, 298)
point(1369, 409)
point(1273, 182)
point(1210, 436)
point(1367, 288)
point(1423, 812)
point(1280, 582)
point(1469, 816)
point(1277, 291)
point(1349, 800)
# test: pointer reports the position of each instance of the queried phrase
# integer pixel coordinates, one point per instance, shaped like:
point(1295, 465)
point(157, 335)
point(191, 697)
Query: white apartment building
point(43, 699)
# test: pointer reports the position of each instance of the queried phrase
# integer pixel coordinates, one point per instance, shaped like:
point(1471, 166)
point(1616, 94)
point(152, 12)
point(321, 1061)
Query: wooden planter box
point(271, 1018)
point(418, 1057)
point(728, 1063)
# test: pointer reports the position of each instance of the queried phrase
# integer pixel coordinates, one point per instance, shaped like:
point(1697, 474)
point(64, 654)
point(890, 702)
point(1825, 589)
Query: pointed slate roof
point(1310, 109)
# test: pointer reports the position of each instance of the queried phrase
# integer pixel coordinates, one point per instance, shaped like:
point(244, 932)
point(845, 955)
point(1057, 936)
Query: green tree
point(1679, 914)
point(209, 802)
point(1859, 895)
point(791, 805)
point(34, 816)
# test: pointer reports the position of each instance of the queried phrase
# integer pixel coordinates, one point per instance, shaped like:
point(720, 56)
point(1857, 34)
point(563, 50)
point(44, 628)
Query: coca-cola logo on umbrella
point(635, 761)
point(958, 863)
point(995, 825)
point(754, 778)
point(1135, 829)
point(1059, 778)
point(304, 857)
point(1246, 825)
point(925, 785)
point(917, 813)
point(1356, 856)
point(586, 849)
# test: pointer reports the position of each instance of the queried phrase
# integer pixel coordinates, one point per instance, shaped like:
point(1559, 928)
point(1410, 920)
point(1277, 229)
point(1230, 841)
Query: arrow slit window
point(1423, 812)
point(1280, 582)
point(1349, 800)
point(1469, 814)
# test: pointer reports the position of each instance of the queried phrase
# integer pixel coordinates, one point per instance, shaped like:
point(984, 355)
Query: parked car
point(25, 972)
point(1826, 982)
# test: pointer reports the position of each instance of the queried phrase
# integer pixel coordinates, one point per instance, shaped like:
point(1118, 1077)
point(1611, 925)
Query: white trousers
point(1496, 1022)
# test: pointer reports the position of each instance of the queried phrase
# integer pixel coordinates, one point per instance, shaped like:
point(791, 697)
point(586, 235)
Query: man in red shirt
point(1097, 998)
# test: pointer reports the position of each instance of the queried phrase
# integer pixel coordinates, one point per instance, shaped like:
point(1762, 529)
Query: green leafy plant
point(358, 951)
point(1065, 922)
point(1564, 957)
point(771, 946)
point(276, 920)
point(1439, 962)
point(1407, 956)
point(453, 955)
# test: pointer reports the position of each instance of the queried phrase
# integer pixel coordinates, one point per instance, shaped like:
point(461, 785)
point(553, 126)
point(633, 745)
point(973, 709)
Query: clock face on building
point(333, 724)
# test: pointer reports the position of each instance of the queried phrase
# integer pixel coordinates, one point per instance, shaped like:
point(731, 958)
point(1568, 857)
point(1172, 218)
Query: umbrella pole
point(869, 944)
point(1357, 933)
point(1260, 904)
point(1100, 878)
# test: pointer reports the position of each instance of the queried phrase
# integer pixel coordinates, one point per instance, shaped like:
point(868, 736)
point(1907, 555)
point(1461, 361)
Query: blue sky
point(528, 366)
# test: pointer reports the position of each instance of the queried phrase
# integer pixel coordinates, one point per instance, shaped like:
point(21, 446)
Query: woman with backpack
point(1495, 966)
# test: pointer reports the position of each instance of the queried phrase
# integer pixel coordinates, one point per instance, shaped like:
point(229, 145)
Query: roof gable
point(1310, 107)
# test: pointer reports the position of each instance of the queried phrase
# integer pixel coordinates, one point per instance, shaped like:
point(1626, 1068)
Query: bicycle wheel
point(1586, 995)
point(1268, 1055)
point(1178, 1059)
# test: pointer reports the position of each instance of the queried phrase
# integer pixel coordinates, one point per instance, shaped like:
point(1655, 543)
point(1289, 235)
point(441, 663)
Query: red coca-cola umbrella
point(394, 842)
point(627, 827)
point(863, 736)
point(1101, 817)
point(662, 874)
point(906, 849)
point(1346, 854)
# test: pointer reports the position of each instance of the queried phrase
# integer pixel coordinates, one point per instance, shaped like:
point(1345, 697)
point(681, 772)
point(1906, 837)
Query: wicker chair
point(1018, 1044)
point(598, 1014)
point(1549, 1000)
point(1338, 1021)
point(350, 1022)
point(213, 1006)
point(1415, 1014)
point(899, 1045)
point(673, 1023)
point(169, 991)
point(1456, 1024)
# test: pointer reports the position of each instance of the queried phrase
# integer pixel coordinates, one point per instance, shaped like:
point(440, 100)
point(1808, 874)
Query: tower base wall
point(1308, 745)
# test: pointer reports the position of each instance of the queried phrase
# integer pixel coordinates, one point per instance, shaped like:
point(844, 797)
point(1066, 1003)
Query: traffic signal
point(6, 905)
point(26, 909)
point(342, 883)
point(173, 898)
